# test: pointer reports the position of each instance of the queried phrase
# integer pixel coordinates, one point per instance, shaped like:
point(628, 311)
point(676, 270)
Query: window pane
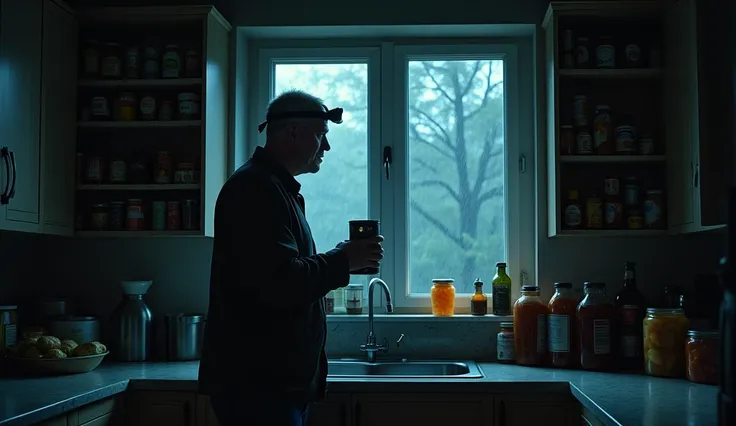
point(456, 171)
point(339, 191)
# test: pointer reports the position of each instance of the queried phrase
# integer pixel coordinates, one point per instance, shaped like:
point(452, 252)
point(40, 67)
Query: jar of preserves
point(573, 215)
point(171, 62)
point(702, 356)
point(443, 297)
point(188, 106)
point(530, 327)
point(126, 107)
point(665, 333)
point(561, 331)
point(605, 53)
point(593, 211)
point(134, 218)
point(111, 63)
point(654, 209)
point(596, 317)
point(505, 343)
point(584, 143)
point(603, 142)
point(147, 108)
point(625, 140)
point(99, 217)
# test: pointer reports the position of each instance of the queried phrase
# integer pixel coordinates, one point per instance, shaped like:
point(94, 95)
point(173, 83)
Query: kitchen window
point(449, 201)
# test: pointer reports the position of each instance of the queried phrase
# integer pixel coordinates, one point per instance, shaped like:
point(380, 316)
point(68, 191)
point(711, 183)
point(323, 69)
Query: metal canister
point(173, 216)
point(159, 215)
point(184, 336)
point(190, 215)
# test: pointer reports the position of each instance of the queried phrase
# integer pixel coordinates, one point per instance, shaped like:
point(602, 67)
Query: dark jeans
point(238, 409)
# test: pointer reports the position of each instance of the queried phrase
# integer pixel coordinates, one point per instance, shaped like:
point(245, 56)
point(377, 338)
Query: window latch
point(387, 160)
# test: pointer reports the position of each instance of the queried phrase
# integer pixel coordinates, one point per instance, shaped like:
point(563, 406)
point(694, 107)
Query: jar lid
point(443, 281)
point(665, 311)
point(566, 126)
point(589, 284)
point(563, 285)
point(507, 324)
point(530, 288)
point(704, 334)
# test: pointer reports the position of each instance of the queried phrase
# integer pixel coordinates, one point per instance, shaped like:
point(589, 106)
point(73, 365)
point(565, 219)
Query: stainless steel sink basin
point(405, 369)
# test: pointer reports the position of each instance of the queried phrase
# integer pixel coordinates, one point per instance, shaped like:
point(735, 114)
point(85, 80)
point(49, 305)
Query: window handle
point(387, 160)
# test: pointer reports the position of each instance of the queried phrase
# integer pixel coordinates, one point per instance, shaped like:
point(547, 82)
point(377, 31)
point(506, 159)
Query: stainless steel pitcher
point(131, 324)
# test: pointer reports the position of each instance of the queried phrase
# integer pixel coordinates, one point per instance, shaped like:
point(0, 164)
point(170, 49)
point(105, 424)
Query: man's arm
point(266, 251)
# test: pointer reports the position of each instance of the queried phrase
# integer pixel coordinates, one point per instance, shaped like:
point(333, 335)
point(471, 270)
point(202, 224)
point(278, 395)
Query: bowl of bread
point(51, 355)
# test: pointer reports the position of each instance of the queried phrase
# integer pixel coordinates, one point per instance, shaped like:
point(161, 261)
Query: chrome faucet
point(370, 347)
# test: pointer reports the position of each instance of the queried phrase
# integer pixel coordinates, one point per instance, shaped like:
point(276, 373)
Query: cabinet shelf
point(612, 159)
point(137, 234)
point(141, 83)
point(145, 187)
point(611, 233)
point(634, 73)
point(137, 124)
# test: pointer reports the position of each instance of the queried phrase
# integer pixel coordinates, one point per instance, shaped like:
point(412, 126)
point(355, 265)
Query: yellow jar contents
point(665, 334)
point(443, 297)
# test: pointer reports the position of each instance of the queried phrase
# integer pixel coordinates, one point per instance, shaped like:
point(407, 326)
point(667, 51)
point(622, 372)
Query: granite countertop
point(617, 399)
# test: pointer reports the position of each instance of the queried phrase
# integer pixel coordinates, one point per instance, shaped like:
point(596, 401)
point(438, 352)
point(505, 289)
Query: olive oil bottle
point(501, 291)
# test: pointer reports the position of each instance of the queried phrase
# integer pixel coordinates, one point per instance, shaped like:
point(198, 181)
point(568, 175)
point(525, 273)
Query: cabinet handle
point(502, 414)
point(5, 153)
point(11, 194)
point(387, 160)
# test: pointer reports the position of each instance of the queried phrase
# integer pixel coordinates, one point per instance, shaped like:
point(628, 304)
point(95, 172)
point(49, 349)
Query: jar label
point(652, 212)
point(148, 105)
point(605, 56)
point(541, 333)
point(601, 336)
point(111, 66)
point(501, 300)
point(559, 333)
point(633, 53)
point(99, 106)
point(613, 211)
point(573, 216)
point(505, 347)
point(585, 143)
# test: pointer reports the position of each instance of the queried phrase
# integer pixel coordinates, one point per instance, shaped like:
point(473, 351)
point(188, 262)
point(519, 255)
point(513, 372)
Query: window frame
point(387, 121)
point(402, 55)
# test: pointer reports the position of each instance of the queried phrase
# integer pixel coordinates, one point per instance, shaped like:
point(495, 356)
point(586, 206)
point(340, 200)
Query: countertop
point(617, 399)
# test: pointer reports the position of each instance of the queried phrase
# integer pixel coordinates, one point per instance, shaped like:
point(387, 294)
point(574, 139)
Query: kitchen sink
point(405, 369)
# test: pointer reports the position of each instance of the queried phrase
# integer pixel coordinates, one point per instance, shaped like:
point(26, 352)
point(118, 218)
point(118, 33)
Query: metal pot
point(80, 329)
point(184, 336)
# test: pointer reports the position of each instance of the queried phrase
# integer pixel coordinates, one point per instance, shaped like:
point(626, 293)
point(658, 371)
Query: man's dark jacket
point(266, 322)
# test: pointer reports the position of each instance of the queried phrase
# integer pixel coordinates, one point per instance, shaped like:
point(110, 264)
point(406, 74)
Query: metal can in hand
point(360, 229)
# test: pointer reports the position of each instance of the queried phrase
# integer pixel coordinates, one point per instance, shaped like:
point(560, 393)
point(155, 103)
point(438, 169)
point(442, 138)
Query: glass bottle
point(530, 327)
point(561, 330)
point(443, 297)
point(501, 291)
point(596, 317)
point(479, 301)
point(631, 306)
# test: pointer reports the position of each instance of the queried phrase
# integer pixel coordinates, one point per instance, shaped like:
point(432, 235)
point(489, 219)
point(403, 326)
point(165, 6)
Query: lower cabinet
point(155, 408)
point(106, 412)
point(549, 409)
point(386, 409)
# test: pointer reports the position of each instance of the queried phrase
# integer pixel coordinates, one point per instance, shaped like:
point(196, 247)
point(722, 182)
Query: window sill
point(336, 318)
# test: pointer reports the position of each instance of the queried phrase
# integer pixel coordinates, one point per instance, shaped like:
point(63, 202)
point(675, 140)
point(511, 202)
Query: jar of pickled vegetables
point(702, 356)
point(665, 333)
point(530, 327)
point(443, 297)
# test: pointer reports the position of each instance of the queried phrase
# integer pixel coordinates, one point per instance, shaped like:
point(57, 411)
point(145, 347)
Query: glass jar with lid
point(505, 343)
point(530, 327)
point(596, 316)
point(665, 334)
point(702, 356)
point(443, 297)
point(354, 299)
point(561, 330)
point(171, 62)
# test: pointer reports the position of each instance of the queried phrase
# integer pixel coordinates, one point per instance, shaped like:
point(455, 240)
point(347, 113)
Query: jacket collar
point(264, 158)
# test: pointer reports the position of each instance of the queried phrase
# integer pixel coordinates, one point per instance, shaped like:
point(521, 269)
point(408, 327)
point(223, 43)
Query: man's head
point(299, 142)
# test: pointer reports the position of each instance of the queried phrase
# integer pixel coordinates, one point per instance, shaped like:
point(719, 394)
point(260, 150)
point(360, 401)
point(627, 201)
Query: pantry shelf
point(141, 83)
point(612, 159)
point(152, 187)
point(137, 234)
point(612, 73)
point(137, 124)
point(611, 233)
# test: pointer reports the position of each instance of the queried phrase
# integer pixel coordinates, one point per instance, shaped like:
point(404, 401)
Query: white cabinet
point(699, 111)
point(37, 67)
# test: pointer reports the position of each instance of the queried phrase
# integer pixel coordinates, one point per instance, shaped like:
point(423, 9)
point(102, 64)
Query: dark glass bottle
point(631, 307)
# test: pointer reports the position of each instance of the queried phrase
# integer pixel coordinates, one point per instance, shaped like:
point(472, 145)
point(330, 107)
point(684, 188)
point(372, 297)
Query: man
point(263, 360)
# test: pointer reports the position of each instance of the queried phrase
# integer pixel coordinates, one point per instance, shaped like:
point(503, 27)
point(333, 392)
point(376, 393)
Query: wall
point(89, 269)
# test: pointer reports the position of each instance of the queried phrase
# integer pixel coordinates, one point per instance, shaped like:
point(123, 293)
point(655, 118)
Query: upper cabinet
point(152, 130)
point(37, 38)
point(626, 111)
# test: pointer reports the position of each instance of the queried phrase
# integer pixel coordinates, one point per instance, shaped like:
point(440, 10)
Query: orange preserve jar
point(701, 350)
point(443, 297)
point(530, 327)
point(561, 330)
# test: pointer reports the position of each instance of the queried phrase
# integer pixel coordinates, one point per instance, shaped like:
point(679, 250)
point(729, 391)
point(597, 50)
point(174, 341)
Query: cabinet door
point(150, 408)
point(20, 96)
point(681, 112)
point(422, 409)
point(58, 119)
point(548, 410)
point(334, 411)
point(205, 415)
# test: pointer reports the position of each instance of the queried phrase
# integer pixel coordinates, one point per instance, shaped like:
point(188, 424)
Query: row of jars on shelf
point(615, 210)
point(111, 60)
point(94, 169)
point(131, 215)
point(601, 136)
point(605, 52)
point(128, 106)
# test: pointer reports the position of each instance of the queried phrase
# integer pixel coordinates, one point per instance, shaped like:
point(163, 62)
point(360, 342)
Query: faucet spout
point(370, 347)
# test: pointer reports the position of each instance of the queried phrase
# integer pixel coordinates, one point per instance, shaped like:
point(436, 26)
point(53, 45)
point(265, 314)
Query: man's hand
point(363, 253)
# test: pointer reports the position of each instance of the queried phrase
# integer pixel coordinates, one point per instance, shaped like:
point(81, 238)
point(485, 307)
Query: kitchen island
point(615, 399)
